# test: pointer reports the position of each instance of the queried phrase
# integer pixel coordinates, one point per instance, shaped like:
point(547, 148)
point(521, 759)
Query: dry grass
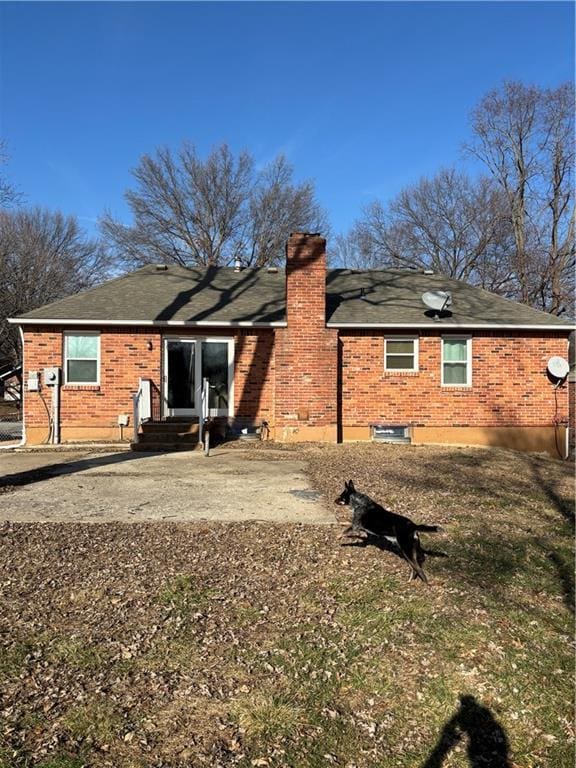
point(185, 645)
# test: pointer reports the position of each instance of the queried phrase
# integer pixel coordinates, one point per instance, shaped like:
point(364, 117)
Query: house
point(317, 354)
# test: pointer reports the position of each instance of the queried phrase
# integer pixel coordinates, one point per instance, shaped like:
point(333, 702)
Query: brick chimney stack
point(306, 280)
point(306, 351)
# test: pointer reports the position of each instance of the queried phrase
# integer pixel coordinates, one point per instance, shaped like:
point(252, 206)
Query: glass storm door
point(180, 377)
point(187, 361)
point(215, 366)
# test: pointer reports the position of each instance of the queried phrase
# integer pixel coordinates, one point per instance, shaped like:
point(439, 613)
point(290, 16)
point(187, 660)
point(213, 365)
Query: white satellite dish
point(437, 300)
point(558, 367)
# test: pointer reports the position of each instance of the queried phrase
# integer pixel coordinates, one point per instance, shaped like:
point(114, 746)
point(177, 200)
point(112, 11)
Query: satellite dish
point(437, 300)
point(558, 367)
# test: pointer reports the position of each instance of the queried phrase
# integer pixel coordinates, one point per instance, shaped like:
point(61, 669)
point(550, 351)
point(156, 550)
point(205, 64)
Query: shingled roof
point(257, 297)
point(175, 295)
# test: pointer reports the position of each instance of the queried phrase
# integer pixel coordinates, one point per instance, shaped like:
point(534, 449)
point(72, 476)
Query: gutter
point(454, 326)
point(283, 324)
point(148, 323)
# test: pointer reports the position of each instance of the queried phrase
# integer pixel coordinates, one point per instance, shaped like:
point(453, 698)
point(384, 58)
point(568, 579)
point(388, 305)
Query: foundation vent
point(391, 433)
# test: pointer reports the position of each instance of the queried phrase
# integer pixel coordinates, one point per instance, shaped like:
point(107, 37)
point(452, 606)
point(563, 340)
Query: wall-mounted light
point(149, 346)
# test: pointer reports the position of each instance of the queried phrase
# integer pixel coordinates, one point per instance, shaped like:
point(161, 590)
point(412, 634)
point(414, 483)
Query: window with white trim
point(456, 361)
point(401, 354)
point(81, 358)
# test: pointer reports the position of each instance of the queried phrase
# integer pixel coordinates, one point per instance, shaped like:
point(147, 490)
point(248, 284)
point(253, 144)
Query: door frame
point(197, 339)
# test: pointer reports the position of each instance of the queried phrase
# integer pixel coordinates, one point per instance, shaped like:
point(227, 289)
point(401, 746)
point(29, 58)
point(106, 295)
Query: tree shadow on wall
point(487, 741)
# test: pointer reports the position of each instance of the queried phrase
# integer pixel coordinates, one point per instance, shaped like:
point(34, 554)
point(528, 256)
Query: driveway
point(228, 485)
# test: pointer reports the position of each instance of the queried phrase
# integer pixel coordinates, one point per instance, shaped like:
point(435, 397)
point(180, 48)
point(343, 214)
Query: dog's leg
point(408, 547)
point(352, 532)
point(346, 532)
point(420, 553)
point(413, 573)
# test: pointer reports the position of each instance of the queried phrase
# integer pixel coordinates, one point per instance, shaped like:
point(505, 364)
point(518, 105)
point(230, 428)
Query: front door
point(187, 362)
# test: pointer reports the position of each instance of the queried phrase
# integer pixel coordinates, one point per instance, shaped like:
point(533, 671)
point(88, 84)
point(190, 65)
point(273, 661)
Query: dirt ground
point(229, 485)
point(209, 644)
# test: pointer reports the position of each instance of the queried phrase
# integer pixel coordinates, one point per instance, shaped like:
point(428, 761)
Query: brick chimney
point(306, 352)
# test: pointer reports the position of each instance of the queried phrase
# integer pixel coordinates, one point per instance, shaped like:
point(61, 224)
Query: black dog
point(374, 520)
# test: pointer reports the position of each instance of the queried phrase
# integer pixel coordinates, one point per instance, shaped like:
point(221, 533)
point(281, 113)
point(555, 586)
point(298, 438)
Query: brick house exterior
point(307, 354)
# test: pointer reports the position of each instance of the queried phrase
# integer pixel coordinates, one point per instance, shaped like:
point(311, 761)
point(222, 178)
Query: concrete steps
point(167, 436)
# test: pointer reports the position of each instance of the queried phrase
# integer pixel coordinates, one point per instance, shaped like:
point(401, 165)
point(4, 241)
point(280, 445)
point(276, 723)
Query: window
point(401, 354)
point(456, 361)
point(82, 358)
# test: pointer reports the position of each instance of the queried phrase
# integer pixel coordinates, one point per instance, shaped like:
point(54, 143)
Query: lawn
point(246, 644)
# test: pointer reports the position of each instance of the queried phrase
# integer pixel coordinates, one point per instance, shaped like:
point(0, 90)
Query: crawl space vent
point(390, 433)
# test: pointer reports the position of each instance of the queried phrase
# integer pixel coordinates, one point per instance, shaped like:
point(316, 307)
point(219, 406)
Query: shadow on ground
point(487, 741)
point(59, 469)
point(386, 546)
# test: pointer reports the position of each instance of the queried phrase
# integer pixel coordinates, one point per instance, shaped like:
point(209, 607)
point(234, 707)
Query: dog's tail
point(430, 528)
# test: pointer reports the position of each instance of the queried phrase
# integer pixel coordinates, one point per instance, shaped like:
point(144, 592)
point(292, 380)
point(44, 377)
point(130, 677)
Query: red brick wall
point(124, 358)
point(509, 382)
point(306, 351)
point(254, 376)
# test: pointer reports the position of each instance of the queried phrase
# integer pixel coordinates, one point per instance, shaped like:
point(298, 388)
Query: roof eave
point(459, 326)
point(283, 324)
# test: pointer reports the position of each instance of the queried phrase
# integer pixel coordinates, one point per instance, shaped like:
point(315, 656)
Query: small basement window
point(401, 354)
point(82, 358)
point(457, 361)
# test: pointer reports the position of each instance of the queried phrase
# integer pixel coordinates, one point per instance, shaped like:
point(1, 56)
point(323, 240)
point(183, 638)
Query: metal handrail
point(141, 405)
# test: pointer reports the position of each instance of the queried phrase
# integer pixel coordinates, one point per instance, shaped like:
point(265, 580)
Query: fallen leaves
point(188, 645)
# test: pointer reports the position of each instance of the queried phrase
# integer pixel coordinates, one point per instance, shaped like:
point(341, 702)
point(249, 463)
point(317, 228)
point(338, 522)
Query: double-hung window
point(401, 354)
point(456, 361)
point(82, 358)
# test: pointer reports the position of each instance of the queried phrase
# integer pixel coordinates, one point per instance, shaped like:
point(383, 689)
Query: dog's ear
point(350, 486)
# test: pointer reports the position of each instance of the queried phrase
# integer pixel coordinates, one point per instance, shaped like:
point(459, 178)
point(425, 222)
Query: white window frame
point(415, 340)
point(69, 334)
point(467, 362)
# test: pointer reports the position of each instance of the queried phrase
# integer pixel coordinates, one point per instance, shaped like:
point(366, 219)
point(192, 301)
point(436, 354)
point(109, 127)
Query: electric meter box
point(52, 377)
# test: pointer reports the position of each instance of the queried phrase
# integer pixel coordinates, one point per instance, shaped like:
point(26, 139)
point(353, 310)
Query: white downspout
point(56, 409)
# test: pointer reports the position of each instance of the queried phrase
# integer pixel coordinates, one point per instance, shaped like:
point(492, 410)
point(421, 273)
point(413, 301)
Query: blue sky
point(364, 98)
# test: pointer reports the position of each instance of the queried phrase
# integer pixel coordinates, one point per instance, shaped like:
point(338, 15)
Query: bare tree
point(44, 256)
point(354, 250)
point(276, 208)
point(557, 283)
point(448, 223)
point(525, 137)
point(192, 211)
point(9, 195)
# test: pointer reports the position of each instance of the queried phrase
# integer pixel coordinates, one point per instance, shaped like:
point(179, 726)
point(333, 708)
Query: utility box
point(52, 377)
point(33, 381)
